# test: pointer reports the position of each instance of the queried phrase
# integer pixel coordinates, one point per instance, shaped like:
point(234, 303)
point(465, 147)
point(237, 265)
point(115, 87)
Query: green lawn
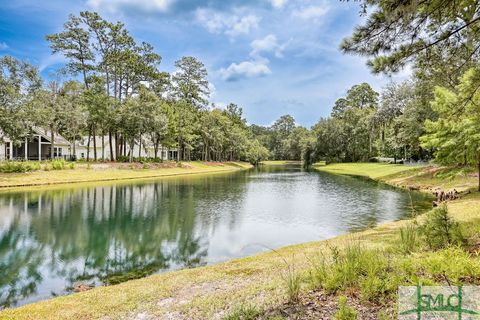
point(279, 162)
point(263, 280)
point(111, 172)
point(371, 170)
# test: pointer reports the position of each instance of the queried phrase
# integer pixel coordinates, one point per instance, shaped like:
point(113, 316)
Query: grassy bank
point(92, 172)
point(280, 162)
point(303, 281)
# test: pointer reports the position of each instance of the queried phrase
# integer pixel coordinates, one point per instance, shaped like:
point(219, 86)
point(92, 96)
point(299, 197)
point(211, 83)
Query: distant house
point(37, 146)
point(103, 149)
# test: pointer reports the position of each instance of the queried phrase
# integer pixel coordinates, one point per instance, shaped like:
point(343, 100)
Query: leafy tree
point(19, 81)
point(455, 135)
point(398, 32)
point(190, 82)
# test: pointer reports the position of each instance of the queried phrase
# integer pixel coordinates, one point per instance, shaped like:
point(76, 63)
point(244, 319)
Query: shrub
point(58, 164)
point(123, 159)
point(18, 167)
point(345, 312)
point(243, 312)
point(440, 230)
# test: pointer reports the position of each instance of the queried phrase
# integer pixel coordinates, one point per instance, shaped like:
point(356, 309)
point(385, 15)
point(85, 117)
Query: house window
point(57, 152)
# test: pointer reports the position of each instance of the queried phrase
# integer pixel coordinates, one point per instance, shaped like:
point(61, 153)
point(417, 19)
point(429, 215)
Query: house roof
point(46, 134)
point(59, 139)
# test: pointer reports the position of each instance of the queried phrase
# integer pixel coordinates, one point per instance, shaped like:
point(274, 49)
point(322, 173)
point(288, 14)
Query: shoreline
point(14, 181)
point(211, 291)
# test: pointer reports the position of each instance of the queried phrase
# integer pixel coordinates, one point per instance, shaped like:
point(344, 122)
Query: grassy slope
point(213, 291)
point(279, 162)
point(83, 174)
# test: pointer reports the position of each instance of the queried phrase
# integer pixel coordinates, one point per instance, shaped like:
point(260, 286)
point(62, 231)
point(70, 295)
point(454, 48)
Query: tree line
point(117, 92)
point(433, 115)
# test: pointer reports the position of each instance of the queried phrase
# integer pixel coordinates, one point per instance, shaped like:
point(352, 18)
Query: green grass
point(85, 172)
point(375, 171)
point(370, 263)
point(279, 162)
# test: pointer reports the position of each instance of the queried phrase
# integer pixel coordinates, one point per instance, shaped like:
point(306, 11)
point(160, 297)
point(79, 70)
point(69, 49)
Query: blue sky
point(271, 57)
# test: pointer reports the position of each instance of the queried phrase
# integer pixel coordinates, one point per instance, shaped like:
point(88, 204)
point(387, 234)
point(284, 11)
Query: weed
point(243, 312)
point(408, 238)
point(345, 312)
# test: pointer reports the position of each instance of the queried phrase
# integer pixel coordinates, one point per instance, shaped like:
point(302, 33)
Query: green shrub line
point(30, 166)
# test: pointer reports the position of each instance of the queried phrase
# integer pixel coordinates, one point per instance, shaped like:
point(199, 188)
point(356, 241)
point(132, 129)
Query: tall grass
point(408, 238)
point(243, 312)
point(354, 267)
point(345, 312)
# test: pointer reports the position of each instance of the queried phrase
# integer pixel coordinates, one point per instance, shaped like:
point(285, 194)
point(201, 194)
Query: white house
point(103, 149)
point(37, 146)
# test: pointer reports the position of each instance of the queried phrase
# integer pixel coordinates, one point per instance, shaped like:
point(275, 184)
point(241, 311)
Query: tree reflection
point(99, 236)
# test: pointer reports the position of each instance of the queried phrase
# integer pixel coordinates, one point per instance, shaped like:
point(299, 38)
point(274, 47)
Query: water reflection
point(52, 240)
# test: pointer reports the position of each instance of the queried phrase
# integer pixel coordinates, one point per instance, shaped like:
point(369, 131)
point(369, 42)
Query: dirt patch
point(315, 305)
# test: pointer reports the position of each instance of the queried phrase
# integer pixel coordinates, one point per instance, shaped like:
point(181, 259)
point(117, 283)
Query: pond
point(52, 241)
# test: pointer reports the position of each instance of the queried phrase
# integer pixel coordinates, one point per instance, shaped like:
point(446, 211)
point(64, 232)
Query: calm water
point(52, 240)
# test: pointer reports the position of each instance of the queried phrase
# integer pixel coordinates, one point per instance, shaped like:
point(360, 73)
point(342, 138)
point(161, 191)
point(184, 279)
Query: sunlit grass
point(371, 170)
point(85, 173)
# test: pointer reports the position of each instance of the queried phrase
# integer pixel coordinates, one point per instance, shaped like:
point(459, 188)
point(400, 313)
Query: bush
point(58, 164)
point(345, 312)
point(123, 159)
point(440, 230)
point(18, 167)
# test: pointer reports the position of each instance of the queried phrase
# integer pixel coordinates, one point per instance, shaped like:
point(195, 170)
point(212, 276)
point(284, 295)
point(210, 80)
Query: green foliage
point(355, 267)
point(408, 238)
point(440, 230)
point(389, 35)
point(243, 312)
point(58, 164)
point(293, 283)
point(18, 167)
point(345, 312)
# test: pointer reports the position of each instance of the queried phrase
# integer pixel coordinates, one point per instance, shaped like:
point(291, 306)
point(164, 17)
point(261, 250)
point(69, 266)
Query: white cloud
point(230, 24)
point(115, 6)
point(3, 46)
point(311, 12)
point(267, 44)
point(243, 25)
point(246, 69)
point(50, 60)
point(278, 3)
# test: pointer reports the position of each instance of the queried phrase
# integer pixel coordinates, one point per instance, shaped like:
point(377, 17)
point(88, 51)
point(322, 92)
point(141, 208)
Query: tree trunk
point(110, 142)
point(132, 144)
point(52, 143)
point(140, 146)
point(88, 145)
point(94, 143)
point(103, 146)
